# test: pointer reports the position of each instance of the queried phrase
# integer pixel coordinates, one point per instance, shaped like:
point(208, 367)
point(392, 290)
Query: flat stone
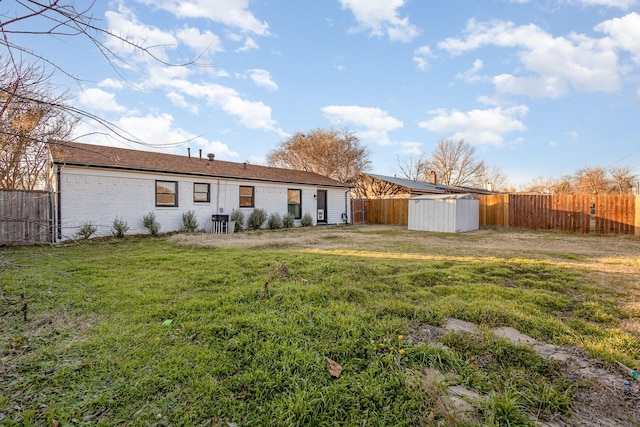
point(433, 375)
point(458, 325)
point(461, 406)
point(513, 335)
point(462, 391)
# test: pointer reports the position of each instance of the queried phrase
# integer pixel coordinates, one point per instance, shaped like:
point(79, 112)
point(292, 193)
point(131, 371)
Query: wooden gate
point(25, 217)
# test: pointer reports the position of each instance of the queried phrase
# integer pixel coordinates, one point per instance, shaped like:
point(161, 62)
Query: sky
point(540, 88)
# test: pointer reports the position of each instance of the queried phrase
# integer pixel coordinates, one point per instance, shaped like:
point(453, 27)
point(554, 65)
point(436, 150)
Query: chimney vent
point(211, 157)
point(245, 165)
point(201, 153)
point(433, 177)
point(189, 152)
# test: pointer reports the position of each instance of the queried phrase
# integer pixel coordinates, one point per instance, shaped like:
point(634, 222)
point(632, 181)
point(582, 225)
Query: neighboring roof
point(98, 156)
point(427, 187)
point(443, 197)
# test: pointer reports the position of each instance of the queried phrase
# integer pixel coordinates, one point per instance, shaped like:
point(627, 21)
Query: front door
point(322, 207)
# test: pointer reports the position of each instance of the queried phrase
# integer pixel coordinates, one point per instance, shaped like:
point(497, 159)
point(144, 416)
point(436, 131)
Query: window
point(166, 193)
point(246, 196)
point(201, 192)
point(294, 203)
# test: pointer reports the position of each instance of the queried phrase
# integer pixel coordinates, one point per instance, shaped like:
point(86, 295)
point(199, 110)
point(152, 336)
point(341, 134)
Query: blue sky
point(541, 88)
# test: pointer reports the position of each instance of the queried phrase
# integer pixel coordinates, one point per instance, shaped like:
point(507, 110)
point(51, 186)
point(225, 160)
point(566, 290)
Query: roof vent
point(211, 156)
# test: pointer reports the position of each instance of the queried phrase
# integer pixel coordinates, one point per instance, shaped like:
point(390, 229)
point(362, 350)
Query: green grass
point(248, 340)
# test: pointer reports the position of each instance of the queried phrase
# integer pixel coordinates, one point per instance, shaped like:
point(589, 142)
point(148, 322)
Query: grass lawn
point(223, 331)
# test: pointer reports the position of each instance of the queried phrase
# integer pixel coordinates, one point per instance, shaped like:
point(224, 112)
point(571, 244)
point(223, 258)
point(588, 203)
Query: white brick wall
point(100, 195)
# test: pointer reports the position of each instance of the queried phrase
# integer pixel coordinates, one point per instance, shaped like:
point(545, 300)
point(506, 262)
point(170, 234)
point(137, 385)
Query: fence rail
point(25, 217)
point(581, 213)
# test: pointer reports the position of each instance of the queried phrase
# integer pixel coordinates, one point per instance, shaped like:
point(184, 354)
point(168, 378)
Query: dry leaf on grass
point(334, 369)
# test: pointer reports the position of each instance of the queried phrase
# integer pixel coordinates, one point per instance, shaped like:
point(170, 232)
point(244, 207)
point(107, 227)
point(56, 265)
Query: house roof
point(98, 156)
point(443, 197)
point(427, 187)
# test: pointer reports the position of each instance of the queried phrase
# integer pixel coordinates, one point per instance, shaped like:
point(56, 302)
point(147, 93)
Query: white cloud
point(249, 44)
point(252, 114)
point(98, 99)
point(622, 4)
point(555, 63)
point(125, 25)
point(573, 135)
point(375, 124)
point(111, 83)
point(233, 13)
point(411, 148)
point(203, 43)
point(625, 33)
point(471, 75)
point(179, 101)
point(381, 17)
point(262, 78)
point(477, 126)
point(421, 57)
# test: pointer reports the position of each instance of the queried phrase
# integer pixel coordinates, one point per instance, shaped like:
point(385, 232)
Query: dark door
point(322, 207)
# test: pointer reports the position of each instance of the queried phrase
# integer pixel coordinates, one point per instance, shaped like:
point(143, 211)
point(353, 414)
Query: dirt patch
point(609, 398)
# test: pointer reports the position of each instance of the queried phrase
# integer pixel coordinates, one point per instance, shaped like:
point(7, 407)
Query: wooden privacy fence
point(25, 217)
point(581, 213)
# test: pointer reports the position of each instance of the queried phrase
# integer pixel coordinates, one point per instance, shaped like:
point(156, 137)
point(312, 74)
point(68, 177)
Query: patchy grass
point(216, 330)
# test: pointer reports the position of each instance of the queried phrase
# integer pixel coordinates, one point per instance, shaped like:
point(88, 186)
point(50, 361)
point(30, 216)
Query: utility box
point(448, 213)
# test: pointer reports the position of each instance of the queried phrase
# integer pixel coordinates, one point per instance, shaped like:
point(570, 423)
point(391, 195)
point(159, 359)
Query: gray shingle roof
point(87, 155)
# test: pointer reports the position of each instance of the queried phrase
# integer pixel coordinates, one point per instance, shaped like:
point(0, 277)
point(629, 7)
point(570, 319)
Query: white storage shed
point(449, 213)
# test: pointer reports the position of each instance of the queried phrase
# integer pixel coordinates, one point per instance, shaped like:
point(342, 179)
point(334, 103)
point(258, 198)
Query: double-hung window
point(166, 193)
point(246, 196)
point(201, 192)
point(294, 203)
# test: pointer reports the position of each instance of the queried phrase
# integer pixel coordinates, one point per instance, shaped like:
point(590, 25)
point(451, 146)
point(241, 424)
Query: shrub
point(275, 221)
point(86, 230)
point(307, 220)
point(120, 227)
point(238, 217)
point(189, 221)
point(150, 223)
point(257, 218)
point(288, 221)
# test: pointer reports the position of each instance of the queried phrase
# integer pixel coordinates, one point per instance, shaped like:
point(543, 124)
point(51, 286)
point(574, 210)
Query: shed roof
point(443, 197)
point(99, 156)
point(427, 187)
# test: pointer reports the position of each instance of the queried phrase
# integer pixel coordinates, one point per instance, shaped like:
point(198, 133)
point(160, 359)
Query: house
point(98, 184)
point(373, 186)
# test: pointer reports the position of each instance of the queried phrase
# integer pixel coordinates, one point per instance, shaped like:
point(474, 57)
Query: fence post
point(637, 220)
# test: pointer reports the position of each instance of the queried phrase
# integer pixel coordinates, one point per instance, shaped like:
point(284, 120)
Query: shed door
point(322, 207)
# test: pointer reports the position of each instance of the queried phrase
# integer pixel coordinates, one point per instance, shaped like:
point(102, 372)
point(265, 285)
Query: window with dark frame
point(246, 196)
point(166, 193)
point(294, 203)
point(201, 192)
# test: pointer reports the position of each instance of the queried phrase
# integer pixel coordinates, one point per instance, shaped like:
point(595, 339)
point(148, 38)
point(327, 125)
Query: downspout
point(59, 200)
point(346, 206)
point(218, 198)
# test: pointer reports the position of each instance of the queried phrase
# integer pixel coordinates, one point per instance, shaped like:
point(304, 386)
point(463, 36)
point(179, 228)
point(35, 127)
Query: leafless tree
point(622, 179)
point(591, 180)
point(60, 19)
point(368, 187)
point(29, 117)
point(491, 178)
point(413, 168)
point(332, 153)
point(455, 162)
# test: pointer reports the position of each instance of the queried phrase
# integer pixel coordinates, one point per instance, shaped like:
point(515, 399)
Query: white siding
point(449, 214)
point(100, 195)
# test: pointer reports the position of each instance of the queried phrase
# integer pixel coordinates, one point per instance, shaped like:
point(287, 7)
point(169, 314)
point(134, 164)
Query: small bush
point(238, 217)
point(257, 218)
point(119, 228)
point(307, 220)
point(86, 230)
point(150, 223)
point(189, 221)
point(288, 221)
point(275, 221)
